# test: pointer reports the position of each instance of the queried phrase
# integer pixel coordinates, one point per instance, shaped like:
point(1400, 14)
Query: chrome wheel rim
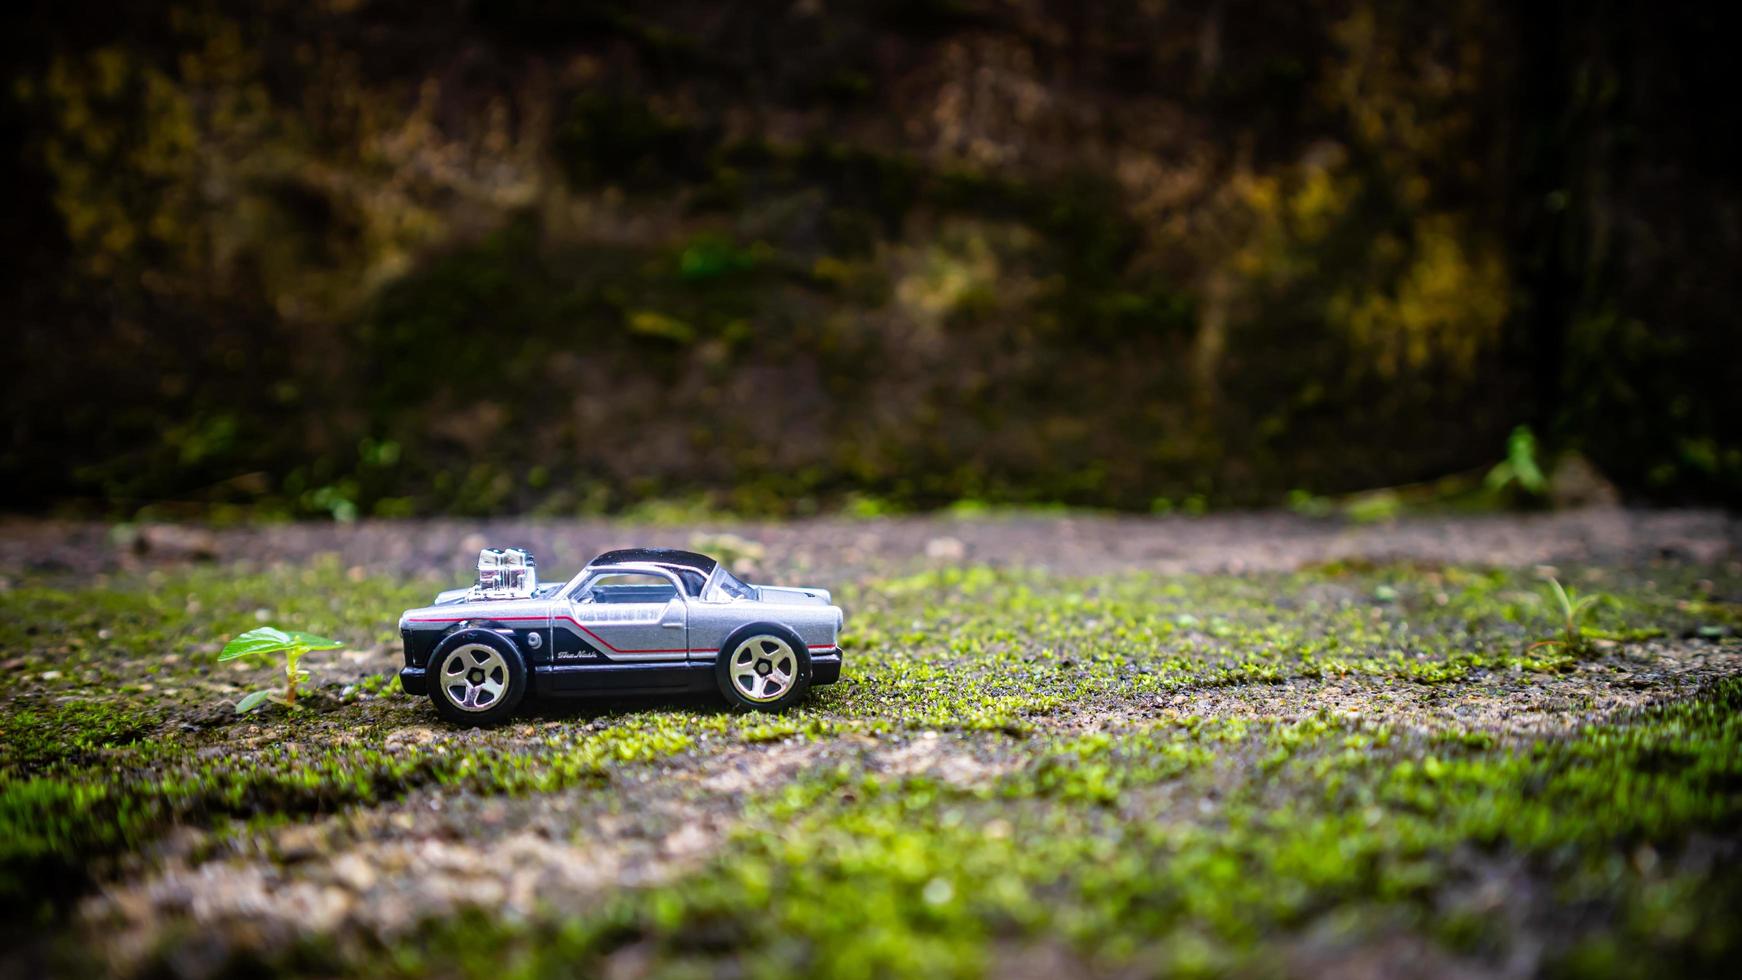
point(763, 668)
point(474, 677)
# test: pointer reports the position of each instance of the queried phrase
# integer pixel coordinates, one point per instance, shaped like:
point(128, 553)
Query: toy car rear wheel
point(763, 667)
point(476, 677)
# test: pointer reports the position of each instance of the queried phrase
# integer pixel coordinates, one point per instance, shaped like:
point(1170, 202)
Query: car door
point(632, 616)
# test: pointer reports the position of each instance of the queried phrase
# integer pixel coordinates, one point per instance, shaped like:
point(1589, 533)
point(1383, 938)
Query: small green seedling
point(269, 640)
point(1519, 467)
point(1572, 610)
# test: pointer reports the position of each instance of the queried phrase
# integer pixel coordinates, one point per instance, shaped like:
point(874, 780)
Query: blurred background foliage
point(359, 257)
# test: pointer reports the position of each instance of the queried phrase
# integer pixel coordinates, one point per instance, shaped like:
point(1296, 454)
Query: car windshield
point(728, 586)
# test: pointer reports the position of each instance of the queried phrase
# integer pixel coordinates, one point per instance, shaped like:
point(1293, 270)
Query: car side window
point(621, 587)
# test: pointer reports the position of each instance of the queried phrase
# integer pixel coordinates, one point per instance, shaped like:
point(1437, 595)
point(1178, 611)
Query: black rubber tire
point(723, 668)
point(514, 665)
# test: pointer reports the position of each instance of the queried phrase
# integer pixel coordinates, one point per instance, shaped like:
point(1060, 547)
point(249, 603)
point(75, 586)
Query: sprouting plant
point(1519, 466)
point(1572, 611)
point(269, 640)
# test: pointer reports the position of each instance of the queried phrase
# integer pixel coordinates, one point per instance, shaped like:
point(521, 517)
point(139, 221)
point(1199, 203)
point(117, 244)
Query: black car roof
point(657, 556)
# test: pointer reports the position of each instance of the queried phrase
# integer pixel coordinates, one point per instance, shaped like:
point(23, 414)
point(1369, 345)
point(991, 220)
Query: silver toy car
point(637, 621)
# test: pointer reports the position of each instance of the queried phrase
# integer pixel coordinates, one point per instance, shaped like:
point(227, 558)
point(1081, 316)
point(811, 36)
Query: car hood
point(509, 609)
point(794, 597)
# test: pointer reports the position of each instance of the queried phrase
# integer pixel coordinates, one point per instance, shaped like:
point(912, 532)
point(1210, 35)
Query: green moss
point(1107, 808)
point(1105, 843)
point(36, 736)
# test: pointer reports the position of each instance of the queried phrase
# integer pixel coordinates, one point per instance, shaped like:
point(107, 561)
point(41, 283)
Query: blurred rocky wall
point(381, 257)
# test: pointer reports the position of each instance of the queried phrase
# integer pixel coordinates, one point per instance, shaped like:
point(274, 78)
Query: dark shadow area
point(590, 707)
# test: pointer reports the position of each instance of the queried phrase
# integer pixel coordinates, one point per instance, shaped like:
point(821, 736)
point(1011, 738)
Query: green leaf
point(253, 701)
point(1560, 595)
point(1499, 476)
point(310, 641)
point(266, 639)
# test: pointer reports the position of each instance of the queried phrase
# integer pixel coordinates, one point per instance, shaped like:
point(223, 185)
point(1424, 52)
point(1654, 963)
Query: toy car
point(637, 621)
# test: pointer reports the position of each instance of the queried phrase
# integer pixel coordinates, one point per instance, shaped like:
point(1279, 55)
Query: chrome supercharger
point(505, 573)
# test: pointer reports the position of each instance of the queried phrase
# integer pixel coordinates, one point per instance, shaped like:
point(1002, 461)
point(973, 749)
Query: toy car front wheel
point(476, 677)
point(763, 667)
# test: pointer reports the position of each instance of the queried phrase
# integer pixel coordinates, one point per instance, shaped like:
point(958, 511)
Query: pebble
point(946, 549)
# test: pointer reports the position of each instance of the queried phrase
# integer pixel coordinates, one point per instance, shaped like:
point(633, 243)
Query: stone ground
point(837, 548)
point(363, 836)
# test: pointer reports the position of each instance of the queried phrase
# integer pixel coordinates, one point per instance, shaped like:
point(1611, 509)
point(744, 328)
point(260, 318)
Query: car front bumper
point(825, 666)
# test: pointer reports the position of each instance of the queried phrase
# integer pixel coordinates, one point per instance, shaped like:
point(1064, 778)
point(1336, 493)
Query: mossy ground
point(1346, 766)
